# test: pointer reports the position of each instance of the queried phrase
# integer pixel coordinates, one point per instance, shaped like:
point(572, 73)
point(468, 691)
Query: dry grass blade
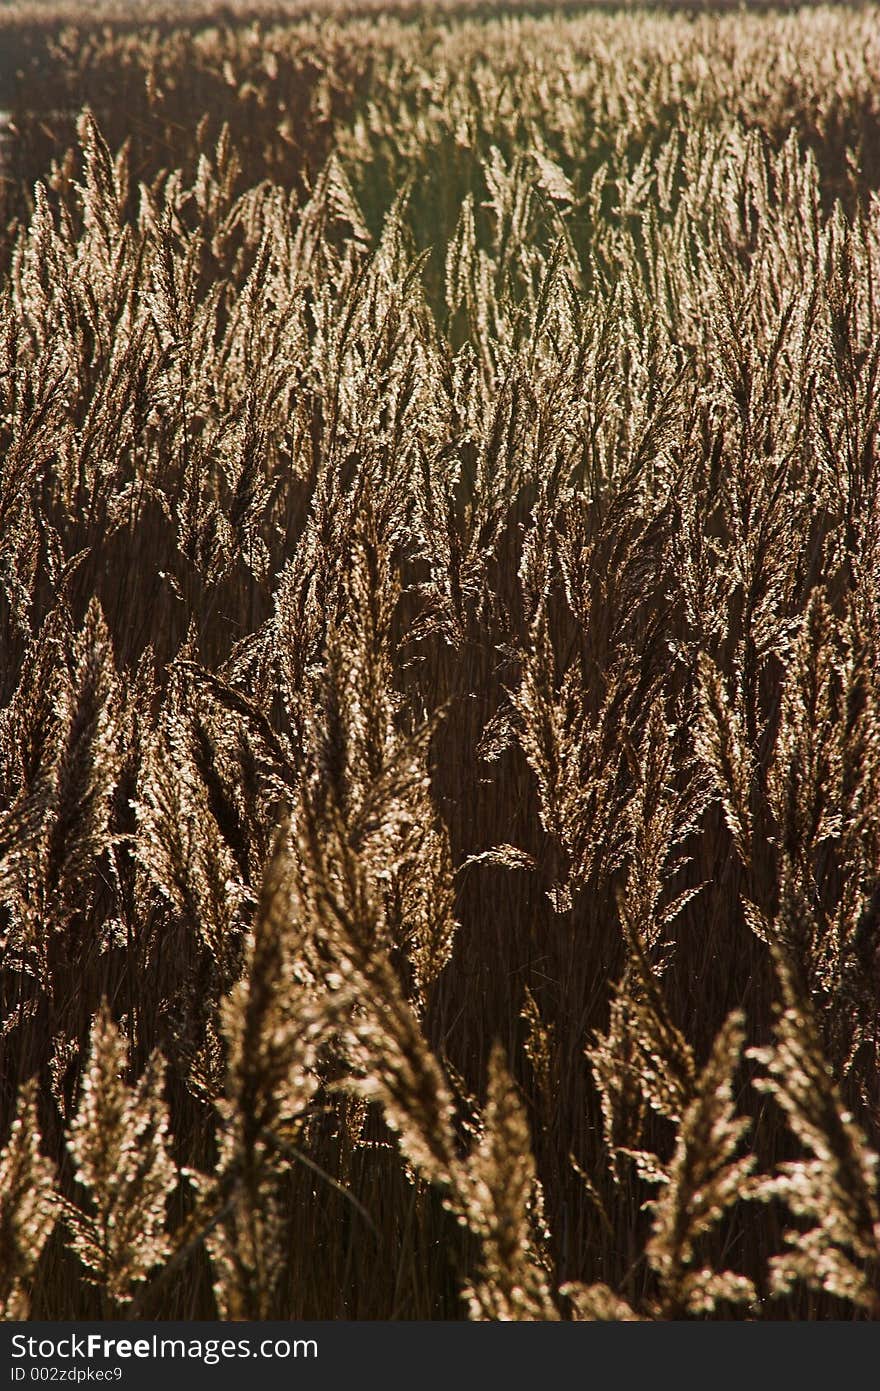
point(498, 1199)
point(28, 1206)
point(833, 1188)
point(119, 1143)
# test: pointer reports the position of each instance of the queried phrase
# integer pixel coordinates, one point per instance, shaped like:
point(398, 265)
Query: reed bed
point(440, 666)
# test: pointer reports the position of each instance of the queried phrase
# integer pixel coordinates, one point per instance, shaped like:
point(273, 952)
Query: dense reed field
point(440, 665)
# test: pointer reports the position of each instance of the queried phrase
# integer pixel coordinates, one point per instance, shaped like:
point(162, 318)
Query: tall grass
point(439, 677)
